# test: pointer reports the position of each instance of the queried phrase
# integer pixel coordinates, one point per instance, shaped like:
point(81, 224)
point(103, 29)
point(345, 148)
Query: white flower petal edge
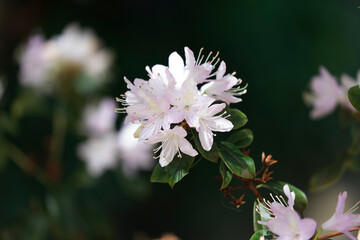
point(172, 141)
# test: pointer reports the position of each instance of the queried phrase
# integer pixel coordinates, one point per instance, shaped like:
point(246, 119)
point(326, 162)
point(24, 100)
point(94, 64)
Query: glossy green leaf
point(354, 96)
point(277, 188)
point(241, 138)
point(267, 234)
point(159, 175)
point(237, 162)
point(178, 168)
point(237, 117)
point(211, 155)
point(226, 175)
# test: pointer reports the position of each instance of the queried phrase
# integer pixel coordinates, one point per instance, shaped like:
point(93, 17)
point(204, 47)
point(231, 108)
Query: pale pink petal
point(307, 228)
point(176, 65)
point(186, 147)
point(206, 138)
point(189, 57)
point(216, 108)
point(221, 70)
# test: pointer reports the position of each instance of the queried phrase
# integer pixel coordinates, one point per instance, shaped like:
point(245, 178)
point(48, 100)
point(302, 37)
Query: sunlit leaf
point(226, 175)
point(237, 162)
point(178, 168)
point(241, 138)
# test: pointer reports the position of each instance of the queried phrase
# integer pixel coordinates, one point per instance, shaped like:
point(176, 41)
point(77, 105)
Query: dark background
point(274, 46)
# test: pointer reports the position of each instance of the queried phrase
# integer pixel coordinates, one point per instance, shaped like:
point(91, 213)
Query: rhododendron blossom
point(326, 93)
point(285, 221)
point(341, 221)
point(170, 102)
point(74, 54)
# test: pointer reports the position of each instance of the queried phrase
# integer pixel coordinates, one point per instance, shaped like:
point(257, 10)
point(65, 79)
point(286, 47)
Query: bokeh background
point(274, 46)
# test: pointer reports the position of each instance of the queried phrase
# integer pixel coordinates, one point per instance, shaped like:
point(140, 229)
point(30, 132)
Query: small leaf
point(178, 168)
point(159, 175)
point(241, 138)
point(237, 117)
point(277, 188)
point(354, 96)
point(226, 175)
point(237, 162)
point(211, 155)
point(267, 234)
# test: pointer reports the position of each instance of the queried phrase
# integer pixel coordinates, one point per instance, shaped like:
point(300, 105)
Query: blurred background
point(274, 46)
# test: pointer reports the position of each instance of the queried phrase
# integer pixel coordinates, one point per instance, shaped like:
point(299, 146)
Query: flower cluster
point(326, 93)
point(106, 147)
point(76, 53)
point(180, 96)
point(282, 219)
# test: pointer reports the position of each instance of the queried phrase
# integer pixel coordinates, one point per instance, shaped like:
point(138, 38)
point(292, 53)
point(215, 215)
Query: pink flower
point(224, 88)
point(325, 94)
point(207, 123)
point(172, 141)
point(100, 118)
point(340, 221)
point(134, 154)
point(286, 222)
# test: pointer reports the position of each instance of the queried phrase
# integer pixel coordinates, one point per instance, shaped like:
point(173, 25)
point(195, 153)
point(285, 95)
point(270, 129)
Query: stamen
point(217, 54)
point(353, 208)
point(197, 60)
point(208, 56)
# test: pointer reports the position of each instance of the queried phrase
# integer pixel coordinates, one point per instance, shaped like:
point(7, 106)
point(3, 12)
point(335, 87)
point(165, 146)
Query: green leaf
point(277, 188)
point(354, 96)
point(178, 168)
point(211, 155)
point(237, 162)
point(241, 138)
point(237, 117)
point(226, 175)
point(258, 234)
point(257, 217)
point(159, 175)
point(329, 174)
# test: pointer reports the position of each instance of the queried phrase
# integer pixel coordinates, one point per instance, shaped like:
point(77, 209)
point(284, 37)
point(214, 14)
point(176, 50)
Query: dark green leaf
point(159, 175)
point(241, 138)
point(354, 96)
point(329, 174)
point(226, 175)
point(178, 168)
point(277, 188)
point(211, 155)
point(258, 234)
point(237, 117)
point(237, 162)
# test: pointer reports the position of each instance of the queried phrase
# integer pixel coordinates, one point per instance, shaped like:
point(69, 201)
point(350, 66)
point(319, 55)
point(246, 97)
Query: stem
point(59, 123)
point(22, 161)
point(337, 233)
point(255, 191)
point(317, 234)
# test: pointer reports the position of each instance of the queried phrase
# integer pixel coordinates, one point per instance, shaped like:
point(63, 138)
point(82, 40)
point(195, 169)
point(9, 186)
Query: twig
point(337, 233)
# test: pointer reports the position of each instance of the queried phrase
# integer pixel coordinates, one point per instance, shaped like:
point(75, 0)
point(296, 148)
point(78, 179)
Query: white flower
point(286, 222)
point(208, 123)
point(341, 221)
point(76, 54)
point(134, 155)
point(172, 141)
point(99, 153)
point(34, 69)
point(224, 88)
point(99, 118)
point(325, 95)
